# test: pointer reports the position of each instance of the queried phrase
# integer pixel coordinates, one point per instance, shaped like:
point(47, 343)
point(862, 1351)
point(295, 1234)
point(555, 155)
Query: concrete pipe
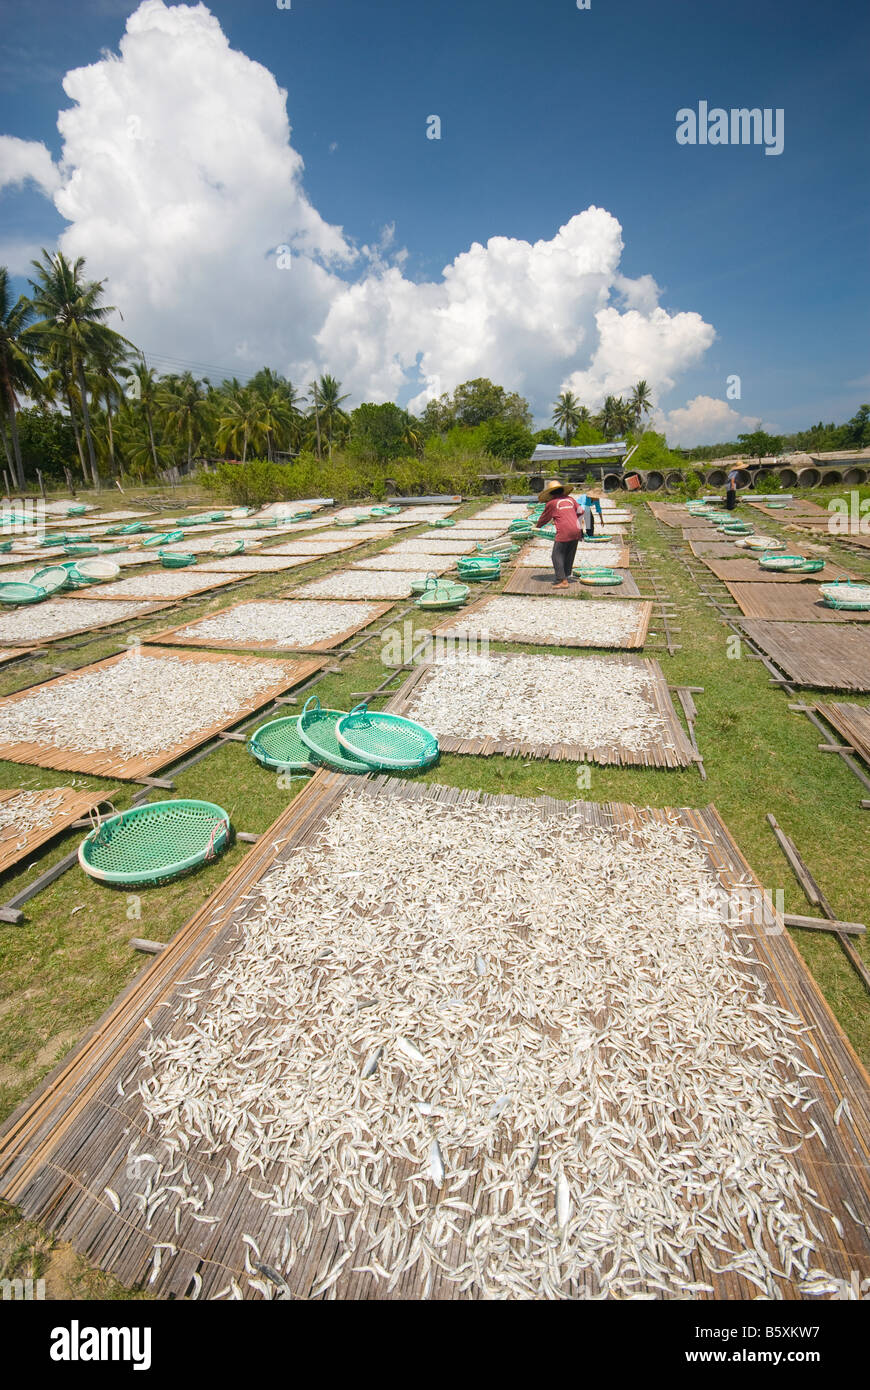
point(831, 478)
point(716, 477)
point(744, 478)
point(809, 477)
point(654, 481)
point(612, 482)
point(788, 477)
point(674, 481)
point(853, 476)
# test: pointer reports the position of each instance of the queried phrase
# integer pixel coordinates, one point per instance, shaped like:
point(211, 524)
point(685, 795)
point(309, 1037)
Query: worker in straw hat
point(561, 509)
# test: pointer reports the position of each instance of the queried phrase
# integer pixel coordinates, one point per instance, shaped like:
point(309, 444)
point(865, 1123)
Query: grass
point(70, 957)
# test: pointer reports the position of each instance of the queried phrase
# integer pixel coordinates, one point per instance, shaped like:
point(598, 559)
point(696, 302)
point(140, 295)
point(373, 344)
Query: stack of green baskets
point(316, 727)
point(478, 567)
point(601, 576)
point(155, 843)
point(277, 744)
point(175, 559)
point(444, 521)
point(442, 593)
point(791, 564)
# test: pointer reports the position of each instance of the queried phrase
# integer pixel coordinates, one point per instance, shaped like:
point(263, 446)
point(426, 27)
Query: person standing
point(563, 511)
point(731, 488)
point(591, 503)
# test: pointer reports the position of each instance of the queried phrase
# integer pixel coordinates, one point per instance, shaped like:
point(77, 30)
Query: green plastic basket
point(5, 546)
point(790, 564)
point(156, 842)
point(78, 509)
point(52, 579)
point(175, 560)
point(548, 531)
point(443, 593)
point(301, 516)
point(767, 544)
point(164, 538)
point(843, 593)
point(81, 550)
point(133, 528)
point(444, 521)
point(350, 521)
point(268, 525)
point(15, 594)
point(419, 586)
point(227, 547)
point(475, 570)
point(597, 575)
point(317, 731)
point(600, 538)
point(385, 511)
point(277, 744)
point(95, 571)
point(386, 741)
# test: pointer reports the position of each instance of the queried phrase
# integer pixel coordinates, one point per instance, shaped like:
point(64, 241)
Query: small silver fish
point(479, 965)
point(563, 1201)
point(370, 1065)
point(409, 1050)
point(436, 1163)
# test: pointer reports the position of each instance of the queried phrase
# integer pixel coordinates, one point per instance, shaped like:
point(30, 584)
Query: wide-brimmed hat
point(552, 486)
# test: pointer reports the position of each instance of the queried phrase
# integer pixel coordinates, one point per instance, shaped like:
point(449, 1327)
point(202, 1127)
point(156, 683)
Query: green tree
point(184, 407)
point(379, 431)
point(566, 414)
point(73, 321)
point(640, 403)
point(508, 440)
point(329, 403)
point(17, 372)
point(758, 444)
point(475, 402)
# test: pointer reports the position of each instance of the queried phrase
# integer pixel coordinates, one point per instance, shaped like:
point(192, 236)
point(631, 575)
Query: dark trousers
point(730, 499)
point(590, 522)
point(563, 559)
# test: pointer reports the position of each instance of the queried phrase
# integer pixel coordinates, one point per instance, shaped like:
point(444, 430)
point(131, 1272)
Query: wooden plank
point(794, 919)
point(105, 762)
point(852, 722)
point(746, 570)
point(175, 636)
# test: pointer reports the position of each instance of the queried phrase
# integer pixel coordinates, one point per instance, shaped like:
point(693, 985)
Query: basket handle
point(361, 708)
point(311, 702)
point(431, 581)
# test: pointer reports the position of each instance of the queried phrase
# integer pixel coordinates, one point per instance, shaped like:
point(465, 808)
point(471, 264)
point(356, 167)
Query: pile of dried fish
point(433, 546)
point(163, 584)
point(555, 621)
point(137, 706)
point(263, 563)
point(539, 699)
point(318, 546)
point(20, 815)
point(41, 621)
point(361, 583)
point(398, 560)
point(298, 623)
point(477, 1049)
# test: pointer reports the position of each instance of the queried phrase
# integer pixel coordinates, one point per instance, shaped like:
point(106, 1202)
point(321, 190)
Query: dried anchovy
point(393, 560)
point(358, 583)
point(53, 619)
point(646, 1067)
point(592, 623)
point(137, 706)
point(298, 622)
point(539, 699)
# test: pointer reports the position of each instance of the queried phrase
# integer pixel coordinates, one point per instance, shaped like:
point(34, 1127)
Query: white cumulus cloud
point(703, 420)
point(181, 189)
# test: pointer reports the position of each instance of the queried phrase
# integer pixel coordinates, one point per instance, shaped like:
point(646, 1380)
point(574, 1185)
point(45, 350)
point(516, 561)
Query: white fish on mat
point(436, 1163)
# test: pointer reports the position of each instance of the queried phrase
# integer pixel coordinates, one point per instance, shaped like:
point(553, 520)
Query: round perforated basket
point(278, 744)
point(598, 576)
point(52, 579)
point(317, 731)
point(175, 560)
point(95, 571)
point(386, 740)
point(789, 564)
point(843, 593)
point(14, 593)
point(155, 843)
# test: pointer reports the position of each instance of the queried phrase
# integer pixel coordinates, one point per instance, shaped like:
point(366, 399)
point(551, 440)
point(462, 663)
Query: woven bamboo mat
point(484, 617)
point(790, 603)
point(852, 723)
point(830, 656)
point(17, 844)
point(668, 748)
point(527, 581)
point(105, 762)
point(746, 570)
point(180, 636)
point(159, 586)
point(68, 1143)
point(108, 616)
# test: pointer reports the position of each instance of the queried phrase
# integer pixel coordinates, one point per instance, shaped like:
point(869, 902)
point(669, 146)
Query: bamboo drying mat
point(12, 653)
point(144, 610)
point(117, 589)
point(790, 509)
point(388, 561)
point(672, 514)
point(822, 655)
point(316, 549)
point(609, 752)
point(798, 603)
point(714, 550)
point(74, 805)
point(526, 581)
point(642, 612)
point(231, 566)
point(107, 764)
point(174, 635)
point(852, 723)
point(746, 570)
point(399, 582)
point(68, 1142)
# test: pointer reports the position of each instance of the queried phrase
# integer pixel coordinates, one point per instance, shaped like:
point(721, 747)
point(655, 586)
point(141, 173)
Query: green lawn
point(67, 961)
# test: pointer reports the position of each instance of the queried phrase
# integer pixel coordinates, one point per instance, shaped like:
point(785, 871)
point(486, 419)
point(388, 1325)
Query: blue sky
point(545, 110)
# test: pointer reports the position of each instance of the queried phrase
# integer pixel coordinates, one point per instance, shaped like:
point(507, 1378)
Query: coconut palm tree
point(566, 414)
point(640, 402)
point(142, 390)
point(243, 422)
point(314, 395)
point(184, 405)
point(17, 372)
point(73, 321)
point(329, 399)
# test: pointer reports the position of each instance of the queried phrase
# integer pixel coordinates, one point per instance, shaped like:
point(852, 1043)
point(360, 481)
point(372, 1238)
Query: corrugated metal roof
point(545, 452)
